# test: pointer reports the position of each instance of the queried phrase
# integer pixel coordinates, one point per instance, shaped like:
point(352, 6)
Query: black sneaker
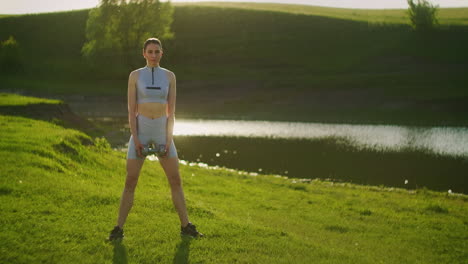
point(190, 230)
point(116, 234)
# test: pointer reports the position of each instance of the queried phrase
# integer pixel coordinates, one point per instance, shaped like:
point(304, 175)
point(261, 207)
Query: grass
point(18, 100)
point(447, 16)
point(271, 61)
point(60, 192)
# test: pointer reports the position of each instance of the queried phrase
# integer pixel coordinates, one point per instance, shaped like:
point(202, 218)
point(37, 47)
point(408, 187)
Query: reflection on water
point(439, 140)
point(328, 158)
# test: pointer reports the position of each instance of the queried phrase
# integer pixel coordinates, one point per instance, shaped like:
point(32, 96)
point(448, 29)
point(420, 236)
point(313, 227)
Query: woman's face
point(153, 54)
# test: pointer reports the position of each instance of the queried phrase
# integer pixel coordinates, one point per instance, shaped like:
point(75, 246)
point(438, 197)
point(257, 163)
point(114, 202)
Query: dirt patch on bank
point(59, 114)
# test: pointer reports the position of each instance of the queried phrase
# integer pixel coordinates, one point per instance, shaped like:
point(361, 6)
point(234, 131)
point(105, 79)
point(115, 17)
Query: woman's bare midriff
point(152, 110)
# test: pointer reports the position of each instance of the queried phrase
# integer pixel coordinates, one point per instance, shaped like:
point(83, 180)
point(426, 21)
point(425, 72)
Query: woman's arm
point(171, 101)
point(133, 110)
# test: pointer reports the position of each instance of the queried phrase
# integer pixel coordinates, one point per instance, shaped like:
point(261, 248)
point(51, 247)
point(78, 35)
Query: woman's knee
point(131, 182)
point(175, 181)
point(133, 172)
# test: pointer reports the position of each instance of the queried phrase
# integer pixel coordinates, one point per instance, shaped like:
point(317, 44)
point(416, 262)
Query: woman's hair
point(152, 41)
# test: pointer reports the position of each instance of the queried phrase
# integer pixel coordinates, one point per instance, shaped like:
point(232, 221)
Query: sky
point(41, 6)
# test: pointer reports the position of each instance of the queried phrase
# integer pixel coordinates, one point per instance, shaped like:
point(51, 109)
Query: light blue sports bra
point(152, 85)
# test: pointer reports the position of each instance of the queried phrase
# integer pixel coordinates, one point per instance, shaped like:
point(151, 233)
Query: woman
point(151, 107)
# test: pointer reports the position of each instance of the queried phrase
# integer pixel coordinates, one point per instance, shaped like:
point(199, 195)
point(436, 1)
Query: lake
point(397, 156)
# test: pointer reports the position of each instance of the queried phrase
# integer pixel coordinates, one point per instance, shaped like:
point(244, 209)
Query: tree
point(422, 15)
point(116, 30)
point(10, 59)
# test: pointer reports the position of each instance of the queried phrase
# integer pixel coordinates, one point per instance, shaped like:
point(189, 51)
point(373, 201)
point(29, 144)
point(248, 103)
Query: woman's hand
point(166, 152)
point(139, 147)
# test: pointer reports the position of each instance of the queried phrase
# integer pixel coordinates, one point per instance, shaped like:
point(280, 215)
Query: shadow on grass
point(59, 114)
point(120, 254)
point(182, 253)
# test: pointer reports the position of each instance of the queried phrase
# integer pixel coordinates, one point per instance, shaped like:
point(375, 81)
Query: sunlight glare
point(439, 140)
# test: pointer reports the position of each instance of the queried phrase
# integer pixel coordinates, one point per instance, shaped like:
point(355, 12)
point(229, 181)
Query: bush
point(101, 144)
point(422, 15)
point(10, 60)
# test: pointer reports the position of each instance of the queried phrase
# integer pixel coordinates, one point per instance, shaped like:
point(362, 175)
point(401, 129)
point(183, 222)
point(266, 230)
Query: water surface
point(451, 141)
point(397, 156)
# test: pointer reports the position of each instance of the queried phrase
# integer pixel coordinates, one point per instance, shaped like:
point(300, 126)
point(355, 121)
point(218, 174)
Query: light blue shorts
point(150, 130)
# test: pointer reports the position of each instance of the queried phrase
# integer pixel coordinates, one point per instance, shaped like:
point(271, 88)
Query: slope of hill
point(447, 16)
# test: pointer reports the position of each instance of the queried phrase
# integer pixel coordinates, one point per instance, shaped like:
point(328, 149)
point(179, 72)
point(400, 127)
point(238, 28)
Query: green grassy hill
point(277, 62)
point(447, 16)
point(60, 191)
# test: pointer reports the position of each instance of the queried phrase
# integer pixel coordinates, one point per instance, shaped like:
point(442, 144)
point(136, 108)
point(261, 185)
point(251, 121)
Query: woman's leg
point(171, 168)
point(126, 202)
